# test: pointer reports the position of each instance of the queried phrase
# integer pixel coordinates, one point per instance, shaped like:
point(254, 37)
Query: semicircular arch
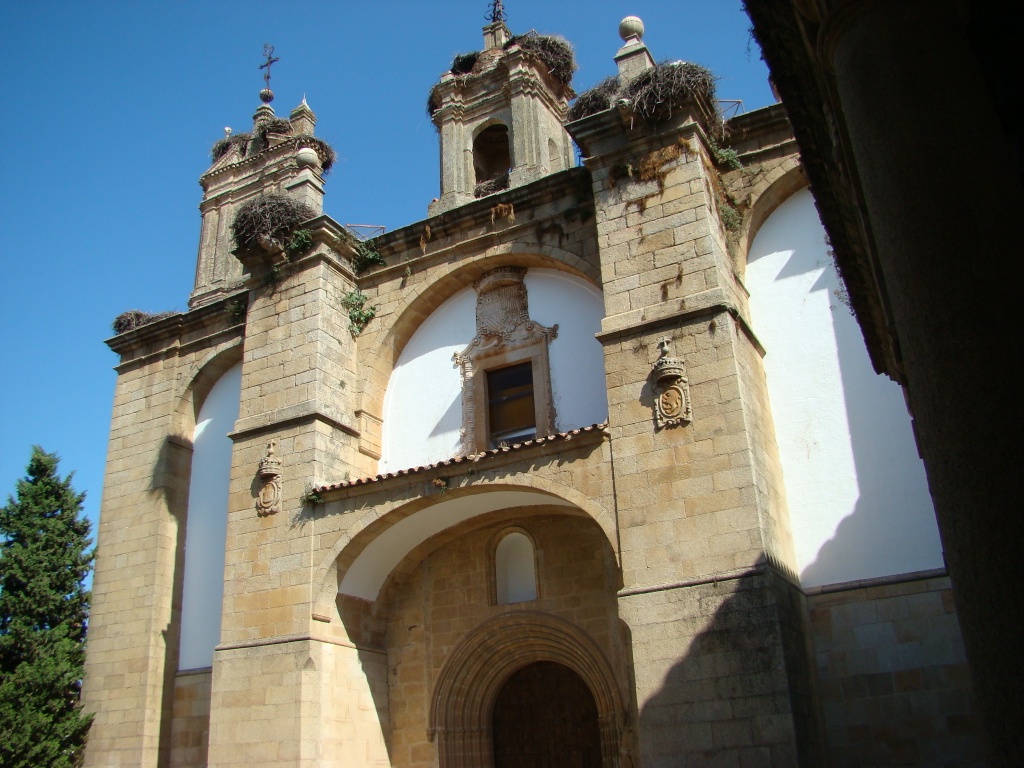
point(200, 379)
point(356, 545)
point(773, 189)
point(419, 304)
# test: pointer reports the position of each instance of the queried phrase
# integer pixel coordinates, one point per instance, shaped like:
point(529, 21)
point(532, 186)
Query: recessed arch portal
point(477, 669)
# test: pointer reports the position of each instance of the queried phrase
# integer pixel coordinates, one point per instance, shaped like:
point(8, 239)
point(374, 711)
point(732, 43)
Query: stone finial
point(631, 30)
point(633, 58)
point(496, 35)
point(303, 119)
point(264, 112)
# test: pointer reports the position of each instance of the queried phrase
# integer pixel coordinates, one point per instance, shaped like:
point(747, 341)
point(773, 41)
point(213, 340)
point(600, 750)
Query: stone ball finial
point(631, 26)
point(307, 158)
point(266, 95)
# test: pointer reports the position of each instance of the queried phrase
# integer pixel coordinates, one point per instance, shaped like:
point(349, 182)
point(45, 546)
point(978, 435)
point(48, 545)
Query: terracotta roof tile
point(603, 426)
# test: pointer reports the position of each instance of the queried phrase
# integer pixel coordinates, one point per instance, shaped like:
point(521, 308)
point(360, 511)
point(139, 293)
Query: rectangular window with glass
point(511, 416)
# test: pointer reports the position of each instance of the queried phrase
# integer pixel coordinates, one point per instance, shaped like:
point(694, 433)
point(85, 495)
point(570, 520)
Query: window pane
point(510, 403)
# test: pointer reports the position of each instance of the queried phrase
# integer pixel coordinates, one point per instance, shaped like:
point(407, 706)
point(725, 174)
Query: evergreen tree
point(44, 559)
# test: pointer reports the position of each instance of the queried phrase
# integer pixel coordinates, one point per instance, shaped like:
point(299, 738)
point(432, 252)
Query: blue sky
point(113, 107)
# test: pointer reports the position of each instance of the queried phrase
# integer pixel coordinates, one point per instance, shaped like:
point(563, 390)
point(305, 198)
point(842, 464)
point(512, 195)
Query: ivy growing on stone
point(358, 313)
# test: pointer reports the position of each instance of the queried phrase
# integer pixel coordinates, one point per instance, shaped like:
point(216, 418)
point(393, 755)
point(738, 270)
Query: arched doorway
point(479, 670)
point(545, 717)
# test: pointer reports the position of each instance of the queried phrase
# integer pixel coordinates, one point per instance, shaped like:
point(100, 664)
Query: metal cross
point(268, 51)
point(497, 12)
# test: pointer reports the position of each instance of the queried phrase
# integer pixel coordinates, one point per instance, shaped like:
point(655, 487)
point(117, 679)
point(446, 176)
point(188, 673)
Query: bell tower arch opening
point(492, 158)
point(500, 115)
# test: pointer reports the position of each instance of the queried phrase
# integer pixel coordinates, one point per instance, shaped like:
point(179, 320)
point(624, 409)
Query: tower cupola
point(278, 156)
point(499, 112)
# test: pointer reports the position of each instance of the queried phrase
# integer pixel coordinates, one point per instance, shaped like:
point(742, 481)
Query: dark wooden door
point(545, 717)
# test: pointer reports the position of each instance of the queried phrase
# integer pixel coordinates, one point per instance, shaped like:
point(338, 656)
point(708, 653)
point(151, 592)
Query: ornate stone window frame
point(505, 335)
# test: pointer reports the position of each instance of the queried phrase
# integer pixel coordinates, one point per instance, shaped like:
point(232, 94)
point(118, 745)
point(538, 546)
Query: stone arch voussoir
point(193, 387)
point(777, 186)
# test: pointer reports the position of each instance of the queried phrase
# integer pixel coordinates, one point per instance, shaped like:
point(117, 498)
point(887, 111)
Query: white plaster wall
point(206, 531)
point(858, 500)
point(423, 404)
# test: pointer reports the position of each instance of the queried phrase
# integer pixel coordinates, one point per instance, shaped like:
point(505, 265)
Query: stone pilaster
point(705, 544)
point(299, 390)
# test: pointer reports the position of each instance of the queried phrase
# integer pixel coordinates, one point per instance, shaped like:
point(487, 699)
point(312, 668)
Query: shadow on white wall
point(858, 499)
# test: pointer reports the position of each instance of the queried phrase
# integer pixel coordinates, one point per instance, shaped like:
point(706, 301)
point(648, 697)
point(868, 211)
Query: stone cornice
point(167, 333)
point(457, 222)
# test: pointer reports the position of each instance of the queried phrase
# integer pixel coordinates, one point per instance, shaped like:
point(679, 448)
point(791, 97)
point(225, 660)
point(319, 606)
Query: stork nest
point(597, 99)
point(247, 148)
point(136, 318)
point(265, 223)
point(555, 53)
point(656, 94)
point(485, 188)
point(223, 146)
point(463, 63)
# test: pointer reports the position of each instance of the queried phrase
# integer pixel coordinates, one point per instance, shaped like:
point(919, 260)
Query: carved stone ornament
point(503, 326)
point(269, 500)
point(671, 389)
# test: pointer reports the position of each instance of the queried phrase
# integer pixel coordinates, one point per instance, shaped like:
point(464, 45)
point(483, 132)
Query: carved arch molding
point(478, 667)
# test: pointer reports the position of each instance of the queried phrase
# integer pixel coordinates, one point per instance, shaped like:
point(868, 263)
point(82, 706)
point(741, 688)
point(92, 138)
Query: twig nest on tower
point(266, 222)
point(657, 94)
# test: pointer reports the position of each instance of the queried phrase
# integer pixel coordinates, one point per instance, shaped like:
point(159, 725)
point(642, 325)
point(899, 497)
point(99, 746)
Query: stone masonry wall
point(190, 729)
point(711, 676)
point(716, 647)
point(894, 679)
point(166, 369)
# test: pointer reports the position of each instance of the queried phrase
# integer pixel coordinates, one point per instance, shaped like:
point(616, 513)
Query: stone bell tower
point(279, 155)
point(500, 112)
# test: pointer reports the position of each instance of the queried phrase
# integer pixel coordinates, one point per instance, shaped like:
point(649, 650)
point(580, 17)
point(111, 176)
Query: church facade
point(589, 467)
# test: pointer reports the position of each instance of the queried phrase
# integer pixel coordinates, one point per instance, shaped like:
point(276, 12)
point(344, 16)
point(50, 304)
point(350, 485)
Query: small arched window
point(515, 572)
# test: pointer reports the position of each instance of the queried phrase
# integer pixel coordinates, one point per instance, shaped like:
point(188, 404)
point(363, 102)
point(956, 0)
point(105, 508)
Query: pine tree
point(44, 559)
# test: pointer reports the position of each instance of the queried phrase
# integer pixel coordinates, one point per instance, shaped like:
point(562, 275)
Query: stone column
point(945, 208)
